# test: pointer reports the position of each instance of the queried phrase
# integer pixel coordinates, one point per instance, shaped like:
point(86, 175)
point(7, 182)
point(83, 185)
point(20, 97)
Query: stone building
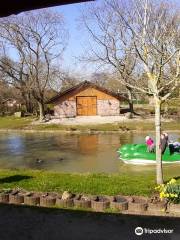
point(86, 99)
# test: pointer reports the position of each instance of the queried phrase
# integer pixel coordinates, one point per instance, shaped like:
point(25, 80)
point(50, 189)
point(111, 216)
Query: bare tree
point(38, 40)
point(154, 28)
point(68, 80)
point(139, 36)
point(112, 47)
point(13, 75)
point(100, 78)
point(109, 81)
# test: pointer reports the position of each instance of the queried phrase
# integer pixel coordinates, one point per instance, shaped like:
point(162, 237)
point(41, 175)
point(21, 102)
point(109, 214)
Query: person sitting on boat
point(174, 147)
point(150, 144)
point(164, 142)
point(166, 137)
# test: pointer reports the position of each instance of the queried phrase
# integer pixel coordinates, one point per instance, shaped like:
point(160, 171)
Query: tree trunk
point(159, 170)
point(41, 110)
point(29, 102)
point(130, 100)
point(29, 107)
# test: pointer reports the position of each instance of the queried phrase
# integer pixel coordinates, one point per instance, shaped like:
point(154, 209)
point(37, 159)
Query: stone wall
point(108, 107)
point(65, 109)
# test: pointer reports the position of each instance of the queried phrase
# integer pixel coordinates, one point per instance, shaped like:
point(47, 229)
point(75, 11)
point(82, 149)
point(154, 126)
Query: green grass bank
point(15, 123)
point(106, 184)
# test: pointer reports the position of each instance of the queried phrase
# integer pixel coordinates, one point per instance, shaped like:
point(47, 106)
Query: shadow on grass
point(14, 178)
point(127, 110)
point(176, 178)
point(124, 110)
point(52, 223)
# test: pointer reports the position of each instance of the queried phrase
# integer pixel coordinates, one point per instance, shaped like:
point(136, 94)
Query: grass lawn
point(14, 123)
point(106, 184)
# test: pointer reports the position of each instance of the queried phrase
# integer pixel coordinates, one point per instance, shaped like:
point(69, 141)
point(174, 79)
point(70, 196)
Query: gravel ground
point(94, 120)
point(85, 120)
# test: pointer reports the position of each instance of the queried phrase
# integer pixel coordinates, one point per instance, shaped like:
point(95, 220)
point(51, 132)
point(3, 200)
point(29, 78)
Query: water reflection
point(15, 144)
point(70, 153)
point(88, 144)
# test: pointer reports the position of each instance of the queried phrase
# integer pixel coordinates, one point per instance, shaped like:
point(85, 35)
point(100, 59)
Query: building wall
point(65, 109)
point(107, 105)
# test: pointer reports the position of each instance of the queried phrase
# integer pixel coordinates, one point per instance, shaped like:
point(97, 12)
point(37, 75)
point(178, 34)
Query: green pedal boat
point(137, 154)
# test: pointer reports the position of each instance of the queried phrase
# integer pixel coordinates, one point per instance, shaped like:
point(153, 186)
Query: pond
point(70, 152)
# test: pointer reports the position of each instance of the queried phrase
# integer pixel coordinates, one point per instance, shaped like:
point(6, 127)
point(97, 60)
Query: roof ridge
point(85, 83)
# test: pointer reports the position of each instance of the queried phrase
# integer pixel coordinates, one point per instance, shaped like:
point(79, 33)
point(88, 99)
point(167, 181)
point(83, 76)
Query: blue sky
point(77, 37)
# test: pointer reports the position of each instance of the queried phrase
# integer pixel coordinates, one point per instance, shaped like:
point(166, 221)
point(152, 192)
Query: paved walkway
point(25, 223)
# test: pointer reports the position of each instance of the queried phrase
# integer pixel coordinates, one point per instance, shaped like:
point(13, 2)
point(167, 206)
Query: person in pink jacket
point(150, 144)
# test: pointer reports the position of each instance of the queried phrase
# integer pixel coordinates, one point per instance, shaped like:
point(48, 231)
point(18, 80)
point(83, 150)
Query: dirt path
point(23, 223)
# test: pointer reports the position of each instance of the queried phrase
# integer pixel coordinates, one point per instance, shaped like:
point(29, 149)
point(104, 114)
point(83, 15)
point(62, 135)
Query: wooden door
point(86, 106)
